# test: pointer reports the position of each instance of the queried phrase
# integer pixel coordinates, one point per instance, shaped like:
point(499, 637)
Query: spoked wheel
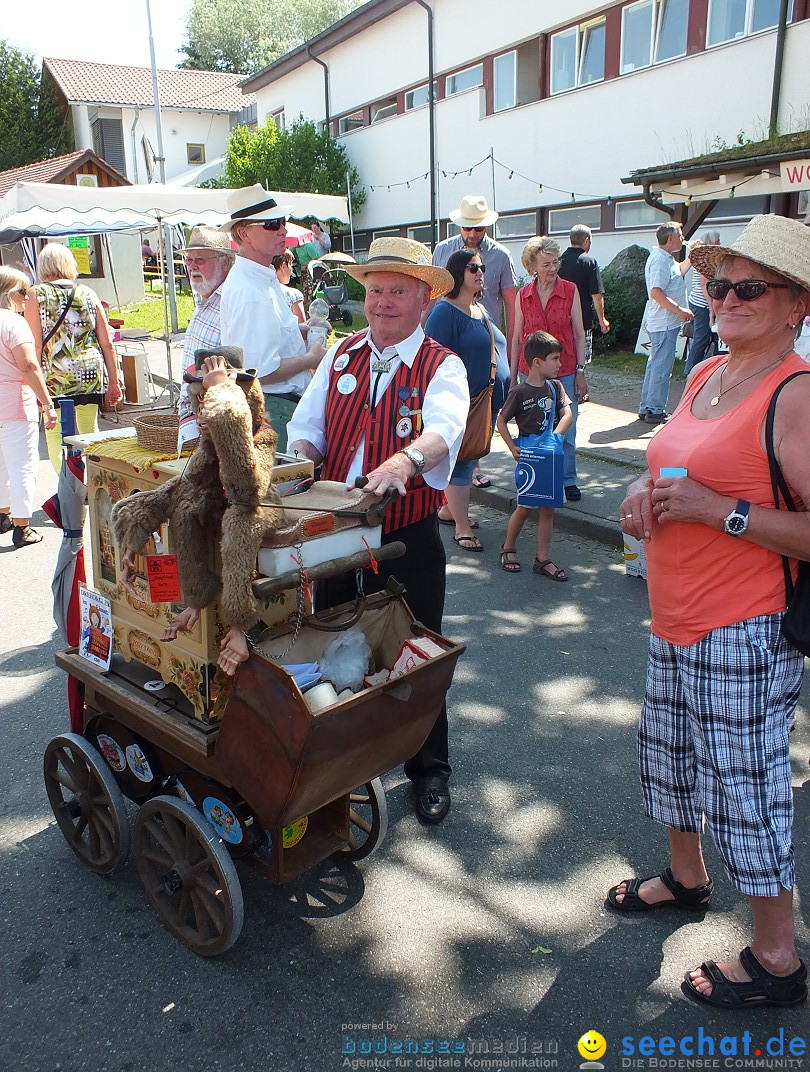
point(368, 820)
point(87, 802)
point(188, 875)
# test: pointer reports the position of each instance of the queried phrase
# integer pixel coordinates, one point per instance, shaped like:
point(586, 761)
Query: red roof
point(57, 168)
point(108, 83)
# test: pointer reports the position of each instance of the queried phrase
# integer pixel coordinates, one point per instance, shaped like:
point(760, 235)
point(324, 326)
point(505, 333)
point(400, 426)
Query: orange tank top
point(700, 579)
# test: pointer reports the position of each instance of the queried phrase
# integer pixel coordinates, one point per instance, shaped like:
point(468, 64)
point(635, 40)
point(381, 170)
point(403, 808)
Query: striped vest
point(349, 419)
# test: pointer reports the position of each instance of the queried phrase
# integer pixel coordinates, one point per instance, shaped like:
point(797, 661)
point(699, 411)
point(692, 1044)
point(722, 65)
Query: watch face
point(735, 524)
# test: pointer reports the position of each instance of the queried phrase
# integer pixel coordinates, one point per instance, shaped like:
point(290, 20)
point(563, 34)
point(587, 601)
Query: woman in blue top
point(460, 323)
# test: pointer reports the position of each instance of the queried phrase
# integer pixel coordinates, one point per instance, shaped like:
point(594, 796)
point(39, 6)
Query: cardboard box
point(635, 560)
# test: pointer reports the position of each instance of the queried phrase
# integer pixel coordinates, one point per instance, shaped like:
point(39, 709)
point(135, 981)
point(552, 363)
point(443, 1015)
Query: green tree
point(297, 158)
point(32, 125)
point(242, 36)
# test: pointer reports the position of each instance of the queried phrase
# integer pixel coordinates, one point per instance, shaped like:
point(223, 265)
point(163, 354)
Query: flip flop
point(450, 521)
point(481, 482)
point(469, 543)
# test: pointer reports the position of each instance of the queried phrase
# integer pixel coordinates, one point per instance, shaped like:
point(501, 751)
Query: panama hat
point(210, 238)
point(406, 257)
point(473, 212)
point(775, 242)
point(252, 205)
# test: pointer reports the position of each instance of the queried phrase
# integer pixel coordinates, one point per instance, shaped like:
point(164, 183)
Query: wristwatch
point(581, 368)
point(415, 457)
point(736, 522)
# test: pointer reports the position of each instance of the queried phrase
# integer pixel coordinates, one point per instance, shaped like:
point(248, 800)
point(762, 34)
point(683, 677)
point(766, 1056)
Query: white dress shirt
point(444, 407)
point(255, 315)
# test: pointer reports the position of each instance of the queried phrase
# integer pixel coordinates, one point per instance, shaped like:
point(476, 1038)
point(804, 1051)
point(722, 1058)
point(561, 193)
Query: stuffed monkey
point(218, 496)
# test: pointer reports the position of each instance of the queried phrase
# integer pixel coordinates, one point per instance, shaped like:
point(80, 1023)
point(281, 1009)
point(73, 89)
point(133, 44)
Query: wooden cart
point(270, 783)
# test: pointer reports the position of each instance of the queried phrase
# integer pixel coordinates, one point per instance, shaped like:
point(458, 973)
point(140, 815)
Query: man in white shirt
point(254, 313)
point(391, 404)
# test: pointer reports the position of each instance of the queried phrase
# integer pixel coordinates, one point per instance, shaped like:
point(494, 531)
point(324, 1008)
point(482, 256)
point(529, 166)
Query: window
point(732, 208)
point(639, 214)
point(350, 122)
point(383, 109)
point(672, 20)
point(108, 142)
point(422, 234)
point(563, 219)
point(392, 232)
point(505, 77)
point(416, 98)
point(578, 56)
point(804, 202)
point(519, 225)
point(195, 154)
point(279, 118)
point(466, 79)
point(637, 35)
point(730, 19)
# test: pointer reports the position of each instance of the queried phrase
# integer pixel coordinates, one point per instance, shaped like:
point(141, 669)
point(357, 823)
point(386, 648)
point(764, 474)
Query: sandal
point(694, 899)
point(468, 543)
point(23, 537)
point(6, 524)
point(514, 565)
point(481, 482)
point(450, 521)
point(553, 574)
point(764, 988)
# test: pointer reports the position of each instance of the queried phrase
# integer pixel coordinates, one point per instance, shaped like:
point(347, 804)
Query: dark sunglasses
point(273, 225)
point(479, 230)
point(476, 268)
point(746, 289)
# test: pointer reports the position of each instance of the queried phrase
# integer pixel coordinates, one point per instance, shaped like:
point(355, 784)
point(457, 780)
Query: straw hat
point(252, 205)
point(210, 238)
point(775, 242)
point(406, 257)
point(473, 212)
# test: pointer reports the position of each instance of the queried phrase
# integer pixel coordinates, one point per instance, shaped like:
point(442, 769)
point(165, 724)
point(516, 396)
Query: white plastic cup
point(320, 696)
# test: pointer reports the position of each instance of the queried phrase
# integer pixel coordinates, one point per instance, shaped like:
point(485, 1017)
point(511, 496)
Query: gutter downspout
point(650, 200)
point(319, 61)
point(134, 144)
point(778, 63)
point(434, 223)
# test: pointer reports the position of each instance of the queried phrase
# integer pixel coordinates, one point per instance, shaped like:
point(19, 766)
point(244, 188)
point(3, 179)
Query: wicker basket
point(157, 431)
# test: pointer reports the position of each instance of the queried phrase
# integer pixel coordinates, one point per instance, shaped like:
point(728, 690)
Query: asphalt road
point(488, 932)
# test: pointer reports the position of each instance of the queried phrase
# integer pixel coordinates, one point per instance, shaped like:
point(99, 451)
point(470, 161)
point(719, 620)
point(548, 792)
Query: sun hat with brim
point(775, 242)
point(406, 257)
point(473, 212)
point(209, 238)
point(251, 204)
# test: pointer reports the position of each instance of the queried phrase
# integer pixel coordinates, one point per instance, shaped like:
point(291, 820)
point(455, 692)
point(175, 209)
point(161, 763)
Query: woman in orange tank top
point(722, 681)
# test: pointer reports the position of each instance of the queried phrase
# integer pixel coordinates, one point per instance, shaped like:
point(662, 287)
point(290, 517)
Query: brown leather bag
point(478, 433)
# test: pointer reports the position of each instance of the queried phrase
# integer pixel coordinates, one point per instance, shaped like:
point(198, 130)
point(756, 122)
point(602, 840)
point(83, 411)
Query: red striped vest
point(349, 419)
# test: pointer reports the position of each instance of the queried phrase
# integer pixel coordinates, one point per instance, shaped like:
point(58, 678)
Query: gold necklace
point(716, 400)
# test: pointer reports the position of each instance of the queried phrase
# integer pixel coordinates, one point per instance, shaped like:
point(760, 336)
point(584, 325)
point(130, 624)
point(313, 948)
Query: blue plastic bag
point(539, 472)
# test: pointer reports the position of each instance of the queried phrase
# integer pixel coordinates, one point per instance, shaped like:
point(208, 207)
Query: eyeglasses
point(477, 268)
point(478, 230)
point(191, 259)
point(746, 289)
point(273, 225)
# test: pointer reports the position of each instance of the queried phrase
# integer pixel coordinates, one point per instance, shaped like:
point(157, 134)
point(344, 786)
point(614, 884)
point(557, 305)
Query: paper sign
point(95, 643)
point(163, 579)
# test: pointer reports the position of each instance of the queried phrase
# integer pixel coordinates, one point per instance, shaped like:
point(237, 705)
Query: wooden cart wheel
point(87, 802)
point(188, 875)
point(368, 820)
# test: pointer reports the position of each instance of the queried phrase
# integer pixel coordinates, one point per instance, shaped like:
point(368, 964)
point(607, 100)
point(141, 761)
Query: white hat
point(252, 205)
point(473, 212)
point(775, 242)
point(210, 238)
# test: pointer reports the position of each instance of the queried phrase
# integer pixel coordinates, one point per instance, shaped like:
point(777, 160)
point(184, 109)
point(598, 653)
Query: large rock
point(625, 297)
point(626, 270)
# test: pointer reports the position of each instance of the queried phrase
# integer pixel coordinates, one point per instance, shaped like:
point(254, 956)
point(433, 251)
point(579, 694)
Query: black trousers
point(422, 569)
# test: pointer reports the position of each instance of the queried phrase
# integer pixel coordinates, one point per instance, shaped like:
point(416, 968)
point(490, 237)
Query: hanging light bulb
point(540, 187)
point(609, 202)
point(511, 173)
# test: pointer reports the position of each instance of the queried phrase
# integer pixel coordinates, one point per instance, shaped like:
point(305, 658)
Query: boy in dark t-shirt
point(531, 404)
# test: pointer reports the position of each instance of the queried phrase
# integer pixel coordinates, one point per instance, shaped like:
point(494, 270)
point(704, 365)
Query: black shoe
point(24, 536)
point(432, 801)
point(643, 414)
point(6, 524)
point(572, 493)
point(655, 418)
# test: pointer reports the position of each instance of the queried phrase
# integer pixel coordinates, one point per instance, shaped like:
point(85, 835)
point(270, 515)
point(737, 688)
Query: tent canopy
point(34, 209)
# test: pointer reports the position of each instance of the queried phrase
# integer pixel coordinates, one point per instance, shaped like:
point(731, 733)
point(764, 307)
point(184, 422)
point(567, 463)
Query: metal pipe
point(134, 143)
point(434, 222)
point(778, 63)
point(318, 60)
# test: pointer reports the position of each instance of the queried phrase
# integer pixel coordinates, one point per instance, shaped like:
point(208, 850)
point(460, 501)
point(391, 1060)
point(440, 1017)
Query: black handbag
point(796, 622)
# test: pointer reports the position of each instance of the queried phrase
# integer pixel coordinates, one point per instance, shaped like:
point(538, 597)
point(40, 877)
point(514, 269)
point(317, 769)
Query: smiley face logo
point(592, 1046)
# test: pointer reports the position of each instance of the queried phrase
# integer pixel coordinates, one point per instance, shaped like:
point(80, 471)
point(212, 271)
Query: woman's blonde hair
point(55, 261)
point(534, 247)
point(11, 280)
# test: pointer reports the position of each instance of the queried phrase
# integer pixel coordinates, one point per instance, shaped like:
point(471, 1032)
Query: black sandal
point(509, 567)
point(694, 899)
point(764, 988)
point(554, 574)
point(25, 536)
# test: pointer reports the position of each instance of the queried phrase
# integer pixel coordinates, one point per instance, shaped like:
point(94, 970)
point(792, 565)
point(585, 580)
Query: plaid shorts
point(713, 742)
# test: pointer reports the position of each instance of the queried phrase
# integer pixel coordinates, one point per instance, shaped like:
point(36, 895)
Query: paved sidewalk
point(611, 445)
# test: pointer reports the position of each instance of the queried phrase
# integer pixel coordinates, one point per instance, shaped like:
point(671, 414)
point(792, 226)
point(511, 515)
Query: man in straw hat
point(473, 217)
point(391, 404)
point(208, 258)
point(254, 313)
point(725, 670)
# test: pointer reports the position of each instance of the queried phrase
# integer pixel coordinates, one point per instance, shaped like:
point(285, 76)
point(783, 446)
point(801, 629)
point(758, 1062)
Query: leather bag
point(478, 432)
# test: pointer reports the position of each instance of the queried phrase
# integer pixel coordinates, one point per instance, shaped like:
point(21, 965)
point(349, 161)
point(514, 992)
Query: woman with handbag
point(724, 671)
point(73, 340)
point(461, 324)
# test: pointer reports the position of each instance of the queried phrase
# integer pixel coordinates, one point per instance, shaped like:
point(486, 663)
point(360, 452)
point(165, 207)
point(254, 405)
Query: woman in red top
point(552, 304)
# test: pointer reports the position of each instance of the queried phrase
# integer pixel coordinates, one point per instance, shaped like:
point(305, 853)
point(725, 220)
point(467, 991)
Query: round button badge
point(347, 383)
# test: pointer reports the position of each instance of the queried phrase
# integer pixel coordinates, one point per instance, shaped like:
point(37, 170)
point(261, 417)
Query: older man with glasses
point(254, 313)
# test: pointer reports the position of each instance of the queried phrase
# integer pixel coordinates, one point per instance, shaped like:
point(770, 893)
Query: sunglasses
point(21, 290)
point(478, 230)
point(477, 268)
point(746, 289)
point(272, 225)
